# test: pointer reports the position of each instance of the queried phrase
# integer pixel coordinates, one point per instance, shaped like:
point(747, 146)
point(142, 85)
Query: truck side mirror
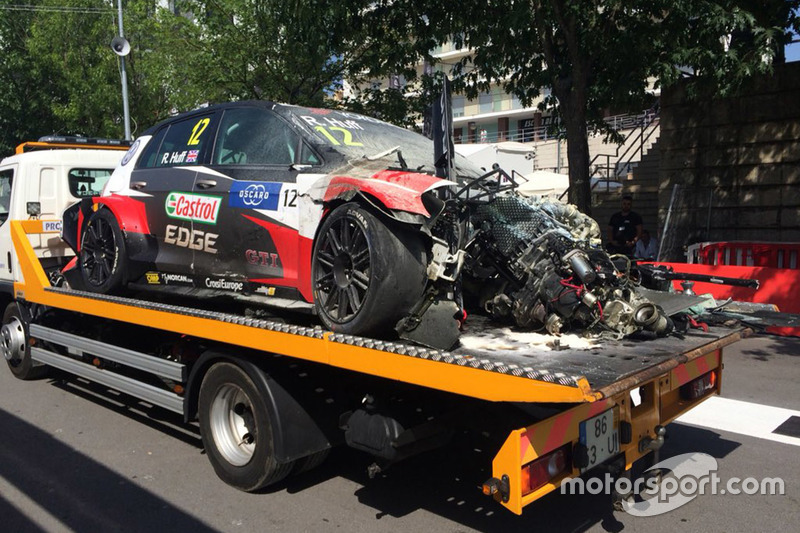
point(34, 209)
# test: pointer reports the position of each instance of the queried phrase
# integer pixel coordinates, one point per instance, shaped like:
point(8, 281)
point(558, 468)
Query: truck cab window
point(85, 182)
point(6, 180)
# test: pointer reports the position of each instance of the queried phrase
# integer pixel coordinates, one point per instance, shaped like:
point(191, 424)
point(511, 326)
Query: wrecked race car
point(340, 214)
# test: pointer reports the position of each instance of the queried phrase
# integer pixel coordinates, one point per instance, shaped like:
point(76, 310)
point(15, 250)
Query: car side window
point(149, 156)
point(6, 181)
point(85, 182)
point(185, 142)
point(249, 136)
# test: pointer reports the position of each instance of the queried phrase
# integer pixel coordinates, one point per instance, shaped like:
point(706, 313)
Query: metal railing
point(623, 163)
point(550, 132)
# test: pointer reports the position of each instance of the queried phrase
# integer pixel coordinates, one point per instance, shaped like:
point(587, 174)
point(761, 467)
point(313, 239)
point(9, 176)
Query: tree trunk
point(574, 116)
point(580, 192)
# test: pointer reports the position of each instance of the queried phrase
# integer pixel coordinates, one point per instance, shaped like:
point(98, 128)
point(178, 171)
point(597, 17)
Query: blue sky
point(793, 52)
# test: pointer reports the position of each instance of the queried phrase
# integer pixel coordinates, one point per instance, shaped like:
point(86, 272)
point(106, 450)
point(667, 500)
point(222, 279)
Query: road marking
point(744, 418)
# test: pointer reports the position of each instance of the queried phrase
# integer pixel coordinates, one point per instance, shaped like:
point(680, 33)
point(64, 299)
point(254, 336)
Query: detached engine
point(539, 264)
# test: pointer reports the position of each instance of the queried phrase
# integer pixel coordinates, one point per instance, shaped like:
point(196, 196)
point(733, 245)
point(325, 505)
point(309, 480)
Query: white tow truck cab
point(41, 180)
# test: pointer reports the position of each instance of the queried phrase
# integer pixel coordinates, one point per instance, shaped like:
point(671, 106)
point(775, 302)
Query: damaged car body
point(341, 215)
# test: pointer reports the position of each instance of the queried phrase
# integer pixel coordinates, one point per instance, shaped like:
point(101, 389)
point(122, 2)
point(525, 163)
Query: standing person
point(646, 248)
point(625, 228)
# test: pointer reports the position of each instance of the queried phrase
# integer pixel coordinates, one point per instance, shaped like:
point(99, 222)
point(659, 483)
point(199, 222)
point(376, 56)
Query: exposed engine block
point(539, 263)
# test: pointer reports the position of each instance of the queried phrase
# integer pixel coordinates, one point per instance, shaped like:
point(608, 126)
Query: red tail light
point(700, 386)
point(544, 469)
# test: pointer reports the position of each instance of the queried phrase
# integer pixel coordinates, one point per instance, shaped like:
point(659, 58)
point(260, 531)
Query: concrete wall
point(736, 161)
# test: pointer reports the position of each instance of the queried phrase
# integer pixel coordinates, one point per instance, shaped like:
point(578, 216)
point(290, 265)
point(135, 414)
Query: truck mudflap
point(625, 427)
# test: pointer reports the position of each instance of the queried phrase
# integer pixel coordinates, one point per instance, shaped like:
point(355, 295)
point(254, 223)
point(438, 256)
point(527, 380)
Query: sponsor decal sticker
point(131, 152)
point(51, 226)
point(269, 291)
point(256, 257)
point(255, 195)
point(177, 278)
point(153, 278)
point(193, 207)
point(224, 284)
point(193, 239)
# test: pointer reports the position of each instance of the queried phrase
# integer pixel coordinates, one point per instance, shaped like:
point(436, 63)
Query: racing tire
point(102, 260)
point(236, 429)
point(366, 274)
point(15, 347)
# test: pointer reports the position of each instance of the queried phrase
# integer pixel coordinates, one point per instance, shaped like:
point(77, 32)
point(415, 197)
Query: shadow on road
point(444, 482)
point(167, 422)
point(75, 490)
point(776, 345)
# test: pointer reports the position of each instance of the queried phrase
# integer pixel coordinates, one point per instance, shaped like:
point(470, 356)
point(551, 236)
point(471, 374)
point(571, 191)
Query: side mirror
point(34, 209)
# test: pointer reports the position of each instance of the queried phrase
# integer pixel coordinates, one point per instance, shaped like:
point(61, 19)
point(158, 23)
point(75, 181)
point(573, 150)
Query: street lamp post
point(122, 48)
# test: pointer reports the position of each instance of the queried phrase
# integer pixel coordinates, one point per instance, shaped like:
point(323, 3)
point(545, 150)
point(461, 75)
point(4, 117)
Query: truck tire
point(366, 274)
point(103, 259)
point(310, 462)
point(237, 431)
point(15, 347)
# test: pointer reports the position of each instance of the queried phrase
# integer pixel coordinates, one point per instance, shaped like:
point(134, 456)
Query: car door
point(254, 165)
point(181, 219)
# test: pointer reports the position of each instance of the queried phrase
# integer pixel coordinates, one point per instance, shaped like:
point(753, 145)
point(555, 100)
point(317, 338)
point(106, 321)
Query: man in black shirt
point(625, 229)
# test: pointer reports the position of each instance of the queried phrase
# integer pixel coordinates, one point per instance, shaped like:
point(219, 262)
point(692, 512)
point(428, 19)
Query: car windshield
point(361, 137)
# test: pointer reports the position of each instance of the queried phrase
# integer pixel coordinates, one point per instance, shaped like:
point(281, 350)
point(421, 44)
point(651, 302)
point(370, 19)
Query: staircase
point(642, 184)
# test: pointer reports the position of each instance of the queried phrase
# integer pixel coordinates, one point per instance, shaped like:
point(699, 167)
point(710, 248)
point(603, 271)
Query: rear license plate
point(600, 436)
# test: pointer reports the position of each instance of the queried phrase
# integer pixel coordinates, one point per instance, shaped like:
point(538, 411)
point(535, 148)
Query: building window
point(458, 106)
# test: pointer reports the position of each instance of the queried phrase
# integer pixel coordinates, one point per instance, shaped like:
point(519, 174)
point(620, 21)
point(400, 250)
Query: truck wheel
point(237, 431)
point(103, 260)
point(15, 348)
point(366, 275)
point(310, 462)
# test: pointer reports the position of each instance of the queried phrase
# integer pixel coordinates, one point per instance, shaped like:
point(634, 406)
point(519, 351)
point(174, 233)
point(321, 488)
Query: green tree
point(292, 51)
point(597, 55)
point(24, 108)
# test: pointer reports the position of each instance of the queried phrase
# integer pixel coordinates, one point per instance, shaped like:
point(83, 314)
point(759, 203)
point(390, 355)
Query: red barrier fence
point(778, 286)
point(742, 253)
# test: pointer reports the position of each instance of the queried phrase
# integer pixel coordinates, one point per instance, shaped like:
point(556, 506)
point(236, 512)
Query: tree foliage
point(599, 55)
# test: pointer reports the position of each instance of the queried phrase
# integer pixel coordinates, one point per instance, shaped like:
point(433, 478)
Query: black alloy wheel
point(343, 269)
point(102, 258)
point(367, 272)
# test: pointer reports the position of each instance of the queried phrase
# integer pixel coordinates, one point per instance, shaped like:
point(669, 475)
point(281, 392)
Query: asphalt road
point(76, 457)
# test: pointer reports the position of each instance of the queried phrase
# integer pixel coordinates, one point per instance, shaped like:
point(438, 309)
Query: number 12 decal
point(290, 198)
point(197, 131)
point(347, 135)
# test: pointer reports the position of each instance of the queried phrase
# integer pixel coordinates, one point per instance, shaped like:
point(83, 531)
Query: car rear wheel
point(366, 274)
point(102, 259)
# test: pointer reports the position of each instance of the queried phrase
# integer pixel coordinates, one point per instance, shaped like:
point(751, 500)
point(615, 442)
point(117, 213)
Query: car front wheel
point(366, 274)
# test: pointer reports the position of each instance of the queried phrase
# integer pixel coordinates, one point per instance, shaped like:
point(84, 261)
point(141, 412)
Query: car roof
point(216, 107)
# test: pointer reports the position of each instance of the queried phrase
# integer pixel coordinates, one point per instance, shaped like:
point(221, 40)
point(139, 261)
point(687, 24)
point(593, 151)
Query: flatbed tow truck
point(249, 381)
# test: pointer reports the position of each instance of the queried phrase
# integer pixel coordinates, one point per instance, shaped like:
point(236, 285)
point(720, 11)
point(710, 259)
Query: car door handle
point(205, 184)
point(138, 185)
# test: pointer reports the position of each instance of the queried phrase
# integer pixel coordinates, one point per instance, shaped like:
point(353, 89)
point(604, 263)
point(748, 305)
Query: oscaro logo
point(192, 207)
point(254, 194)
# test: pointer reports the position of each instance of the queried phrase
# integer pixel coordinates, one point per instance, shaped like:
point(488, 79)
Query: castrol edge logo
point(194, 207)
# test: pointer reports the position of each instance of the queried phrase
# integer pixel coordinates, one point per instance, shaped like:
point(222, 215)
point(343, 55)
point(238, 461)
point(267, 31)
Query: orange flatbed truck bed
point(591, 417)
